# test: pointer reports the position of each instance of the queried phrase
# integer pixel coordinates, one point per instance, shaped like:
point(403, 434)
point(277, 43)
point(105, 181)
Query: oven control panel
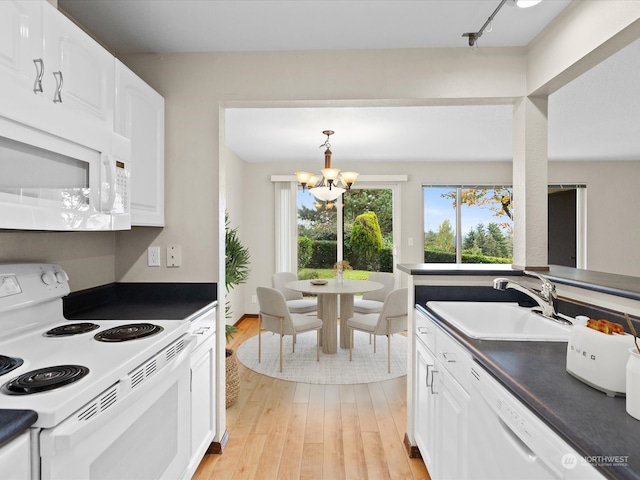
point(30, 283)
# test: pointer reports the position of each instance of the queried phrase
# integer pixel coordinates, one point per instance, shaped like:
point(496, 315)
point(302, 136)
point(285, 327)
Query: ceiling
point(595, 117)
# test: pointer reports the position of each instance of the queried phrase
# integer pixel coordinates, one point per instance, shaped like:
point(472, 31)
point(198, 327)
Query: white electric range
point(112, 397)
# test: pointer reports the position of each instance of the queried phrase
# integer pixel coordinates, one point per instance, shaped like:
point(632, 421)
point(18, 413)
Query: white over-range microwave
point(50, 183)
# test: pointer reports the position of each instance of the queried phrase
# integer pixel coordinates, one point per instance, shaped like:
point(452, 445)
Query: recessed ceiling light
point(523, 3)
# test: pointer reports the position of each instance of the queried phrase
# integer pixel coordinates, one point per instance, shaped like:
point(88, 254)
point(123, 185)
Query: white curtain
point(286, 216)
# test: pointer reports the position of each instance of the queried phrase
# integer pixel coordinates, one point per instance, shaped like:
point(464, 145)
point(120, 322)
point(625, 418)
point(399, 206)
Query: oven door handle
point(75, 429)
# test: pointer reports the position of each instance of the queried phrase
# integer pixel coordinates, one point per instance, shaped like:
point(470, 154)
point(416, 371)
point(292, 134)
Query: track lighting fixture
point(474, 36)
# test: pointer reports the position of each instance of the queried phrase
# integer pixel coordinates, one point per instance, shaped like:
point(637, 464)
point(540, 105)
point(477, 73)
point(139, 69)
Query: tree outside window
point(486, 224)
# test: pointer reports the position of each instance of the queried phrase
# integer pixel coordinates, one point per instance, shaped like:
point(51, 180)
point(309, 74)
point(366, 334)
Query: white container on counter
point(633, 383)
point(598, 359)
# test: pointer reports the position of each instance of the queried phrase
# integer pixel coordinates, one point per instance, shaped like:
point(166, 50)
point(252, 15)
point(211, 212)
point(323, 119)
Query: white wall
point(613, 225)
point(88, 257)
point(238, 198)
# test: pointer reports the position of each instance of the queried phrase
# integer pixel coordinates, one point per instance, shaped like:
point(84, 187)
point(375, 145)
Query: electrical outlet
point(153, 256)
point(254, 299)
point(174, 256)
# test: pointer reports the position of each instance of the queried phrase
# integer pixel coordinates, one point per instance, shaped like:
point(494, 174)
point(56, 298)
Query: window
point(468, 224)
point(359, 229)
point(317, 232)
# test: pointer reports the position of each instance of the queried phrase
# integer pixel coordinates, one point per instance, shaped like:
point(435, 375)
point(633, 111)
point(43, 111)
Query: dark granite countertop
point(458, 269)
point(588, 420)
point(14, 422)
point(140, 301)
point(619, 285)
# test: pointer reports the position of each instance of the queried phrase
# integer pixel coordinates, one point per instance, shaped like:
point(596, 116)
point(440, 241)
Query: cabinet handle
point(37, 84)
point(426, 382)
point(433, 380)
point(451, 358)
point(57, 97)
point(423, 330)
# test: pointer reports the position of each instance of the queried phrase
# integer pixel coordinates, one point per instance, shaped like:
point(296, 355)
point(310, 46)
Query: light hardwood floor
point(286, 430)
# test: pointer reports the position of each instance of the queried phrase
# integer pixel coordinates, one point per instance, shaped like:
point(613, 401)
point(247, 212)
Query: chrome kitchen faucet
point(546, 297)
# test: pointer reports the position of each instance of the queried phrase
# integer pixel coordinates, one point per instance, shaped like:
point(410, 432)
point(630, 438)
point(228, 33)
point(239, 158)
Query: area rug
point(332, 369)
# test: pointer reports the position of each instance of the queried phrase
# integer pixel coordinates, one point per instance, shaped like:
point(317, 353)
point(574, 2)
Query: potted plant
point(236, 272)
point(340, 267)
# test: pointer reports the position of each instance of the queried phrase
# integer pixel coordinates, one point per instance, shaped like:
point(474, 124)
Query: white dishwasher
point(508, 441)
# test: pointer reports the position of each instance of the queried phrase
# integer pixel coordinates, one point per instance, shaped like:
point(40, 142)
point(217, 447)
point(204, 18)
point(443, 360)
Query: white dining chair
point(296, 302)
point(275, 317)
point(371, 302)
point(392, 319)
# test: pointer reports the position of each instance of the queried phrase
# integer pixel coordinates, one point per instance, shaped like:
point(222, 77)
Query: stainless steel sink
point(500, 321)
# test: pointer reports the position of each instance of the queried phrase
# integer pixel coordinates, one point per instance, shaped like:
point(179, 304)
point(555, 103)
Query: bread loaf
point(605, 326)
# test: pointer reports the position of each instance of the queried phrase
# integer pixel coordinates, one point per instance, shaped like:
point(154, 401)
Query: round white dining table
point(328, 306)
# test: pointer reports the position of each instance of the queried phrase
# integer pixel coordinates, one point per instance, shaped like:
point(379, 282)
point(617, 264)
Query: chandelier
point(325, 187)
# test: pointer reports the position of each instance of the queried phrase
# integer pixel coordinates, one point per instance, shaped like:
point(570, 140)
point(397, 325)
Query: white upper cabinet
point(140, 118)
point(79, 77)
point(56, 78)
point(20, 45)
point(59, 84)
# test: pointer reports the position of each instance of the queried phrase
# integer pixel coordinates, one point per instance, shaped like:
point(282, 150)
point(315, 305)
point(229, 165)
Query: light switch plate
point(174, 256)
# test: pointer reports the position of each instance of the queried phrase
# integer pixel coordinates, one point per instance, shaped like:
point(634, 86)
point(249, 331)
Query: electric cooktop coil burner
point(44, 379)
point(71, 329)
point(9, 363)
point(128, 332)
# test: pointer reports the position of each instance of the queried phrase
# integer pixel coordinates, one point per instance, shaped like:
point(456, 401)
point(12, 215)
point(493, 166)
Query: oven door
point(137, 429)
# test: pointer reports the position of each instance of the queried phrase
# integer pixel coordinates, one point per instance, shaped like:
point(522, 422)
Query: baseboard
point(218, 447)
point(412, 450)
point(246, 316)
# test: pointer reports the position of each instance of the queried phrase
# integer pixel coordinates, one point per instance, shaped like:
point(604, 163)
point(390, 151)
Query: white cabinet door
point(441, 403)
point(140, 118)
point(425, 402)
point(203, 414)
point(20, 56)
point(452, 433)
point(78, 82)
point(53, 76)
point(15, 458)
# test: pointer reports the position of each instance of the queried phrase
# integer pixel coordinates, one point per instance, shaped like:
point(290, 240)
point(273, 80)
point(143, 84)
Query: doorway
point(565, 240)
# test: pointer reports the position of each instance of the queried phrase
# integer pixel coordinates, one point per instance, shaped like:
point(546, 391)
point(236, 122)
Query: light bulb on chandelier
point(325, 187)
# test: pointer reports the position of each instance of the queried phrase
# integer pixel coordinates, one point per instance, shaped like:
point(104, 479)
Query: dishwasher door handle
point(518, 442)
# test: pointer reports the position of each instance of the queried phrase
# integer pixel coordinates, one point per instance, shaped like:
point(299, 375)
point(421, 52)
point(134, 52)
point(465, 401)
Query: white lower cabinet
point(442, 401)
point(15, 458)
point(203, 395)
point(451, 427)
point(425, 402)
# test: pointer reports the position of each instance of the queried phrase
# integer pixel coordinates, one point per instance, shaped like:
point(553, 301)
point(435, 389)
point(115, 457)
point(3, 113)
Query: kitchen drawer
point(203, 327)
point(425, 330)
point(453, 357)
